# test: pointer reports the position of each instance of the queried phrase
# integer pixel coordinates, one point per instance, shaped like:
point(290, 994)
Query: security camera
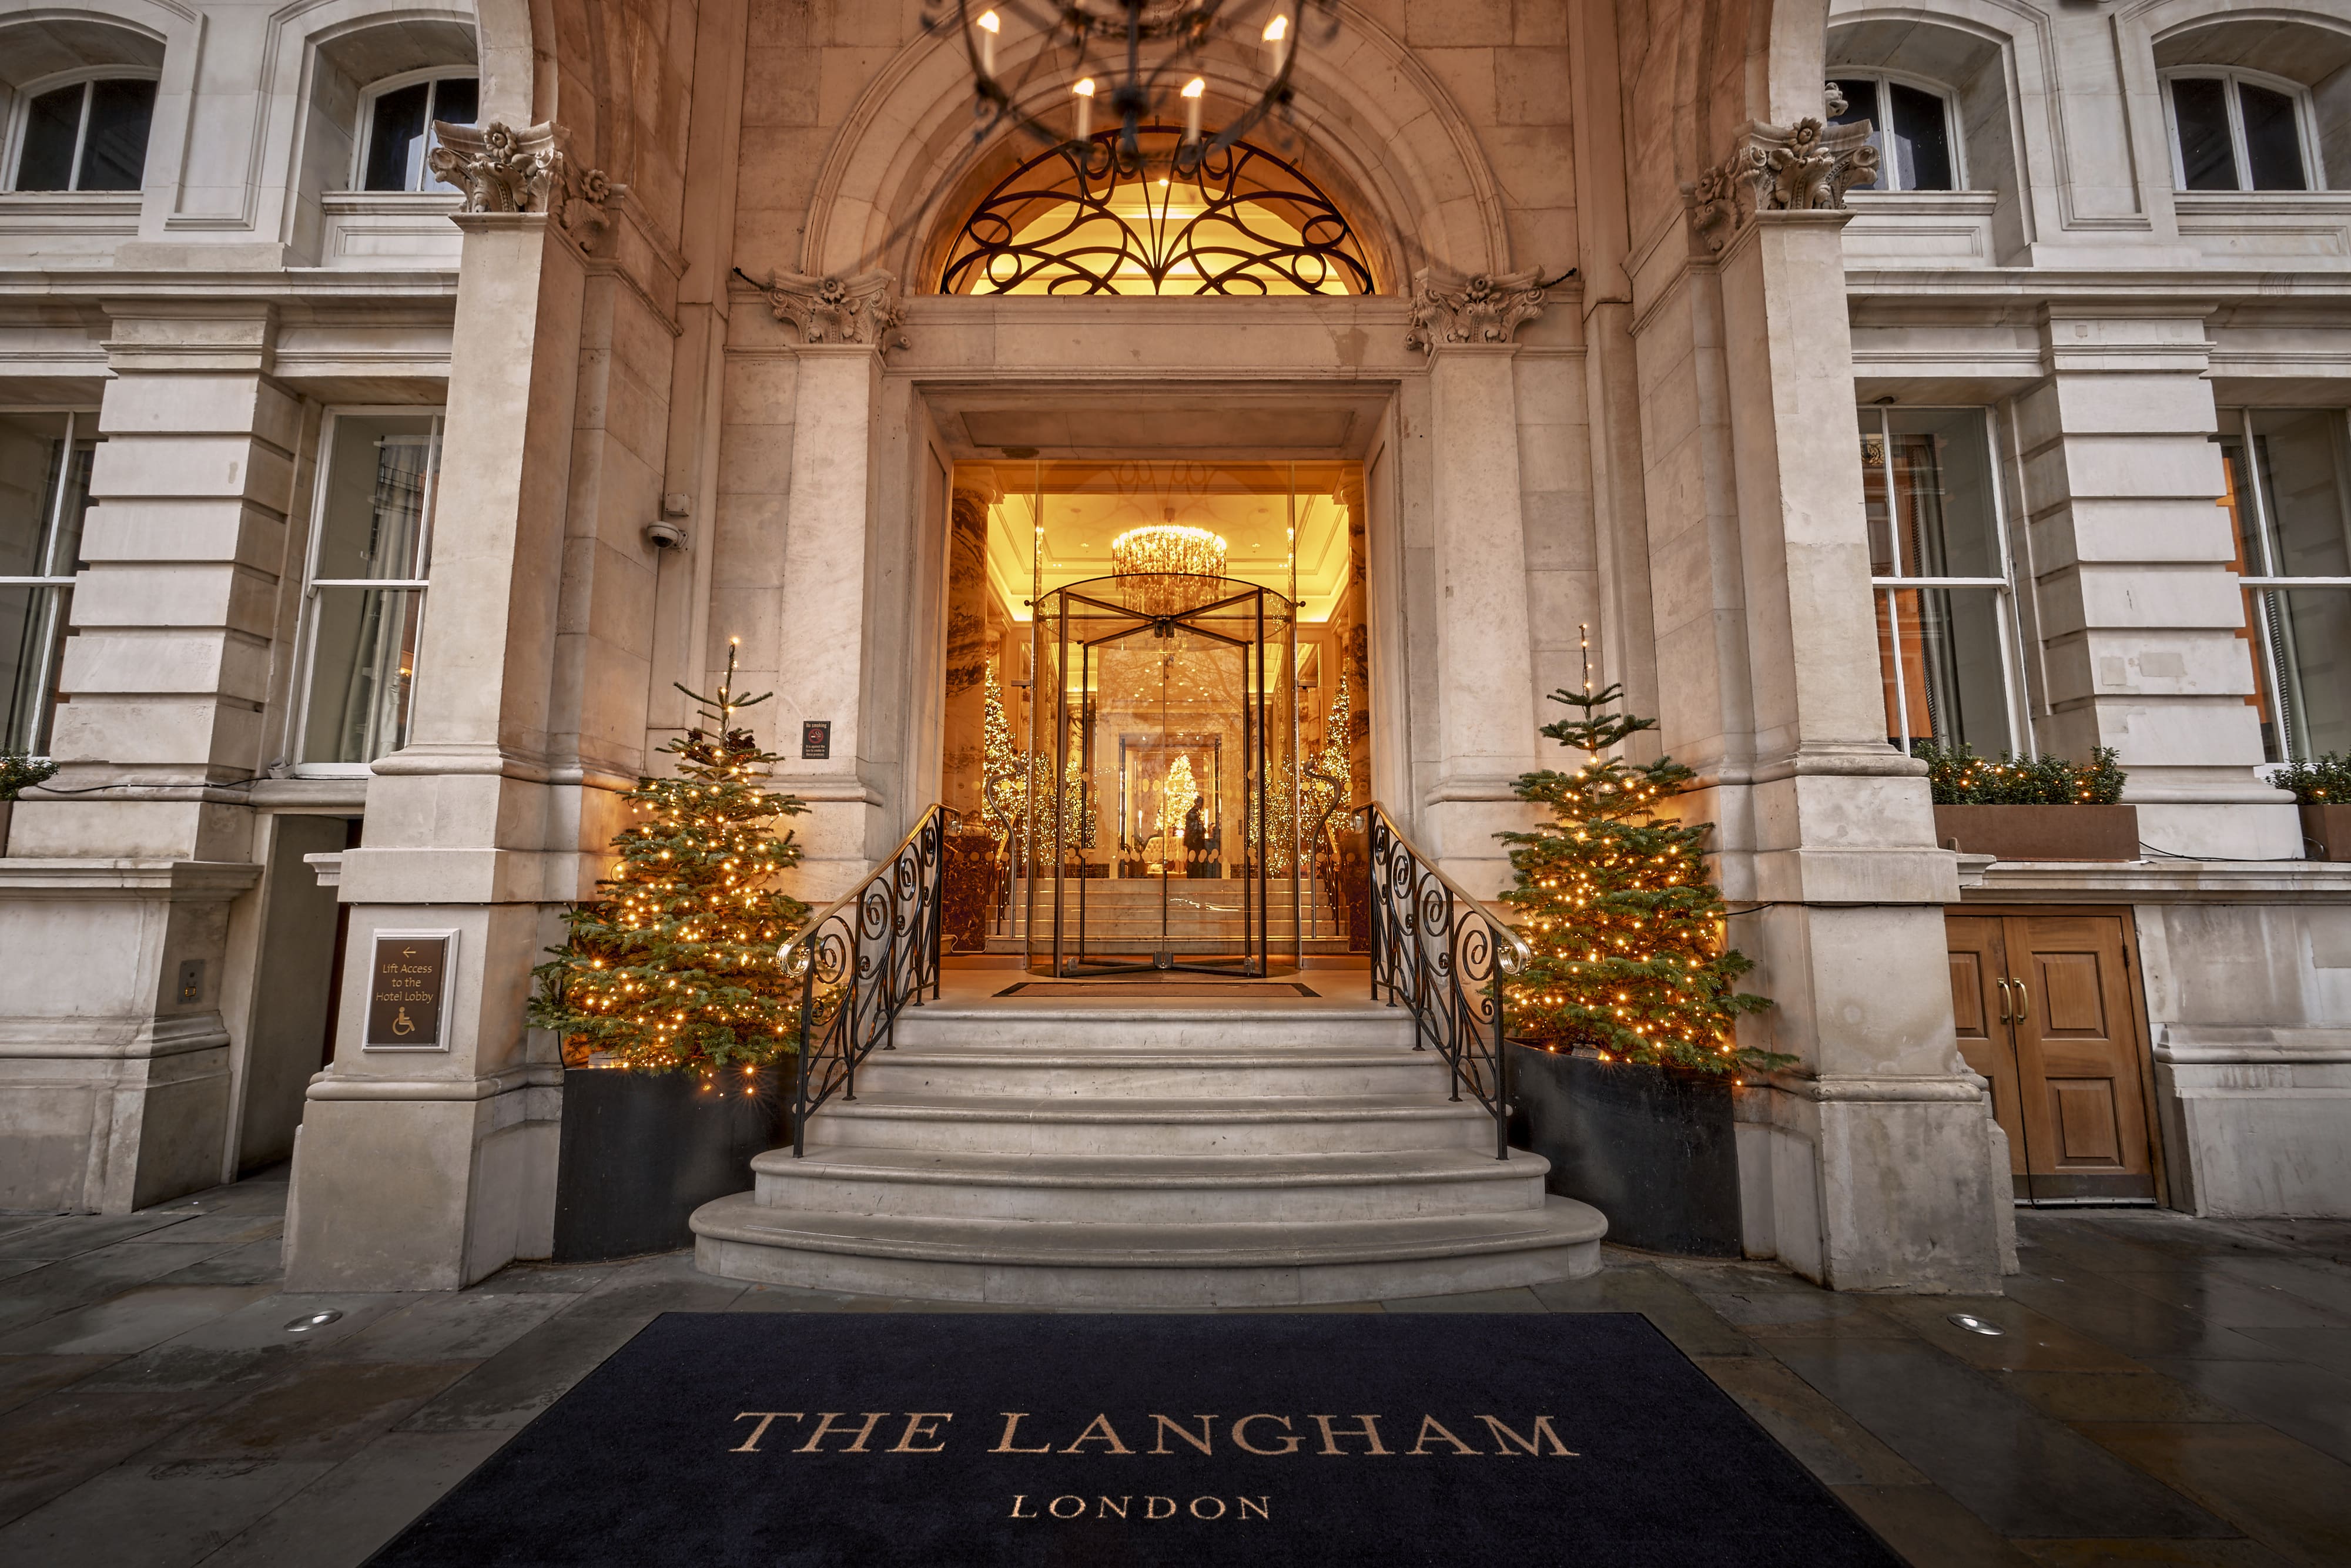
point(663, 534)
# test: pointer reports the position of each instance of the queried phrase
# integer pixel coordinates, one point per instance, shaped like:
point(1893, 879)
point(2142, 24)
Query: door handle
point(2023, 1000)
point(2002, 984)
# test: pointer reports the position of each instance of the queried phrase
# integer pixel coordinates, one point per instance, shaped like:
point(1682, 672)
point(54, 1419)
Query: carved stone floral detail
point(859, 310)
point(1806, 167)
point(1483, 309)
point(502, 169)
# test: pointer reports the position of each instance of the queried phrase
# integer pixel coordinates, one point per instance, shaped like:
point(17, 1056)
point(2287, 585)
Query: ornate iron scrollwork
point(1103, 224)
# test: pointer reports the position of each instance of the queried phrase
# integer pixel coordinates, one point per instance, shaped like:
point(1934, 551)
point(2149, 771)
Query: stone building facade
point(2089, 316)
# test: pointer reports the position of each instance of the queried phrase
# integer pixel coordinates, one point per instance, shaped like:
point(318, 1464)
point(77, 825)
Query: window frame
point(2017, 711)
point(1884, 131)
point(12, 151)
point(2305, 126)
point(59, 587)
point(363, 140)
point(2291, 739)
point(297, 732)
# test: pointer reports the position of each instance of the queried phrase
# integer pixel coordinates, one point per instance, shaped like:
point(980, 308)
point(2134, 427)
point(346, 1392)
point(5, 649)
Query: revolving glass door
point(1170, 841)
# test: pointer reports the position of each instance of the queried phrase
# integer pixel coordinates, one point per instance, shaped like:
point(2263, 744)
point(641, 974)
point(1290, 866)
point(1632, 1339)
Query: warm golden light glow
point(1163, 550)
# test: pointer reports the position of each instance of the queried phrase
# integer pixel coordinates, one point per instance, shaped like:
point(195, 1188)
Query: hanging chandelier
point(1168, 550)
point(1139, 59)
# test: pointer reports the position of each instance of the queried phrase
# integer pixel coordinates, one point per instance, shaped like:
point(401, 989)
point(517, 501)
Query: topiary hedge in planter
point(2043, 808)
point(2322, 787)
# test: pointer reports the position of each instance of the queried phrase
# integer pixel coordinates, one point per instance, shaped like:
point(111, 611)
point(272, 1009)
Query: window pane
point(37, 539)
point(1922, 141)
point(456, 99)
point(2310, 629)
point(379, 472)
point(1861, 103)
point(32, 637)
point(51, 122)
point(2263, 647)
point(2304, 486)
point(1938, 651)
point(114, 154)
point(2273, 138)
point(1941, 481)
point(1875, 509)
point(393, 139)
point(2200, 106)
point(363, 656)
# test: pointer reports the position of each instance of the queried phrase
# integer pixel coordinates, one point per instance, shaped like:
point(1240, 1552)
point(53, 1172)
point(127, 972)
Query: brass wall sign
point(409, 978)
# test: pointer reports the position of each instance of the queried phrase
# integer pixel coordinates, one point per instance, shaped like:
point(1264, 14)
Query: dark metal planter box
point(2327, 832)
point(1653, 1150)
point(2041, 832)
point(642, 1151)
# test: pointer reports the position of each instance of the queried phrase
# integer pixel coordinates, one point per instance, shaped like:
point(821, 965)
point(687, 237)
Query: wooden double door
point(2048, 1010)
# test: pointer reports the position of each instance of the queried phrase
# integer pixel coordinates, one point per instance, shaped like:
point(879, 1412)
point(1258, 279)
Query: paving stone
point(320, 1412)
point(542, 1279)
point(228, 1230)
point(2226, 1301)
point(130, 1321)
point(2322, 1284)
point(1759, 1302)
point(1824, 1440)
point(457, 1326)
point(2030, 1340)
point(2327, 1348)
point(2112, 1396)
point(263, 1324)
point(339, 1520)
point(259, 1262)
point(23, 1377)
point(2285, 1495)
point(2012, 1468)
point(54, 1443)
point(2135, 1324)
point(1521, 1299)
point(1679, 1312)
point(69, 1236)
point(505, 1392)
point(1928, 1529)
point(90, 1278)
point(170, 1515)
point(2296, 1398)
point(12, 1267)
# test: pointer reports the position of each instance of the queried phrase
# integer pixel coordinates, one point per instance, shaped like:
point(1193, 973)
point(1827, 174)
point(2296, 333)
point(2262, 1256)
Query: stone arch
point(162, 35)
point(1379, 127)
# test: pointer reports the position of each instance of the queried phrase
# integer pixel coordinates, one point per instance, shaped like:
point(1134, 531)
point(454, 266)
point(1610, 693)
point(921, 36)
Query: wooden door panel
point(1978, 966)
point(2077, 1057)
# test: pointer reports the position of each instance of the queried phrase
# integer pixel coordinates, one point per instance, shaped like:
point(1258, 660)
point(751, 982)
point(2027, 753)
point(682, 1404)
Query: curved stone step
point(1091, 1265)
point(1136, 1124)
point(1208, 1023)
point(1240, 1071)
point(1161, 1190)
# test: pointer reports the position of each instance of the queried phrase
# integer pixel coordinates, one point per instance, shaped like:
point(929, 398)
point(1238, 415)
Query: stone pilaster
point(428, 1170)
point(114, 1057)
point(2139, 613)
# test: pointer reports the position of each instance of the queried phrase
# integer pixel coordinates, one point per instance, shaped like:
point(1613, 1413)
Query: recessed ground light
point(1975, 1324)
point(318, 1320)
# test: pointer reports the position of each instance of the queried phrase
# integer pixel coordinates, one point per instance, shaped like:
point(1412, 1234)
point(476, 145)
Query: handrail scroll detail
point(1443, 955)
point(865, 958)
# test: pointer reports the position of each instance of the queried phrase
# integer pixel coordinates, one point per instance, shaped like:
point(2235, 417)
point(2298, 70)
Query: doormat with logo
point(1352, 1440)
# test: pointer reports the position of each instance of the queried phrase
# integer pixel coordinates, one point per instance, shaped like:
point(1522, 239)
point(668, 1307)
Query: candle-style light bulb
point(1192, 92)
point(1085, 96)
point(1277, 43)
point(988, 27)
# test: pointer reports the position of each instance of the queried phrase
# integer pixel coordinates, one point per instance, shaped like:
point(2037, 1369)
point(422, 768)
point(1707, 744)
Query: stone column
point(1485, 662)
point(1869, 1164)
point(115, 905)
point(829, 632)
point(428, 1170)
point(2139, 612)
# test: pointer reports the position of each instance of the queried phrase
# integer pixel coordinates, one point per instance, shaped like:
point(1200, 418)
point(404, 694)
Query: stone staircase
point(1190, 1154)
point(1123, 916)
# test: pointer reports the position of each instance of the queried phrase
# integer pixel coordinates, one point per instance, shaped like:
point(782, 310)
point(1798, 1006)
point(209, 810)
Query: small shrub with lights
point(20, 772)
point(2321, 781)
point(673, 967)
point(1956, 776)
point(1626, 927)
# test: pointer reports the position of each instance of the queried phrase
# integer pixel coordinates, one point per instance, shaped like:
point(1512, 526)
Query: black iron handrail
point(1443, 955)
point(867, 956)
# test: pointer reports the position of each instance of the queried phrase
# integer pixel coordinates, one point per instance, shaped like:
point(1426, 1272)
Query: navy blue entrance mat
point(726, 1440)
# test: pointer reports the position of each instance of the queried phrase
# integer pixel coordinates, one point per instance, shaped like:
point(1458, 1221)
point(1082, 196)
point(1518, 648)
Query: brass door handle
point(2002, 984)
point(2023, 1000)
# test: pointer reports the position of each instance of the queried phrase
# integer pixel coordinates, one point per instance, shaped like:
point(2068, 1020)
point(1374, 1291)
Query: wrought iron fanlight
point(1134, 58)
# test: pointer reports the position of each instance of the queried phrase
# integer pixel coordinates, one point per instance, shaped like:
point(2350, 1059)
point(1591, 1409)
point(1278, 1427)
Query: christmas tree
point(673, 967)
point(1627, 930)
point(1004, 769)
point(1177, 799)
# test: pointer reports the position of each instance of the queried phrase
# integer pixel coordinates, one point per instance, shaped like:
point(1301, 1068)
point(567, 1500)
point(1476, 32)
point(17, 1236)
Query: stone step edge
point(1144, 1172)
point(1136, 1108)
point(1561, 1222)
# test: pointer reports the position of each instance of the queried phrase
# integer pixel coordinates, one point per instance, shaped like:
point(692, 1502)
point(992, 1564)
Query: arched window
point(396, 127)
point(1912, 127)
point(2239, 130)
point(1244, 222)
point(85, 135)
